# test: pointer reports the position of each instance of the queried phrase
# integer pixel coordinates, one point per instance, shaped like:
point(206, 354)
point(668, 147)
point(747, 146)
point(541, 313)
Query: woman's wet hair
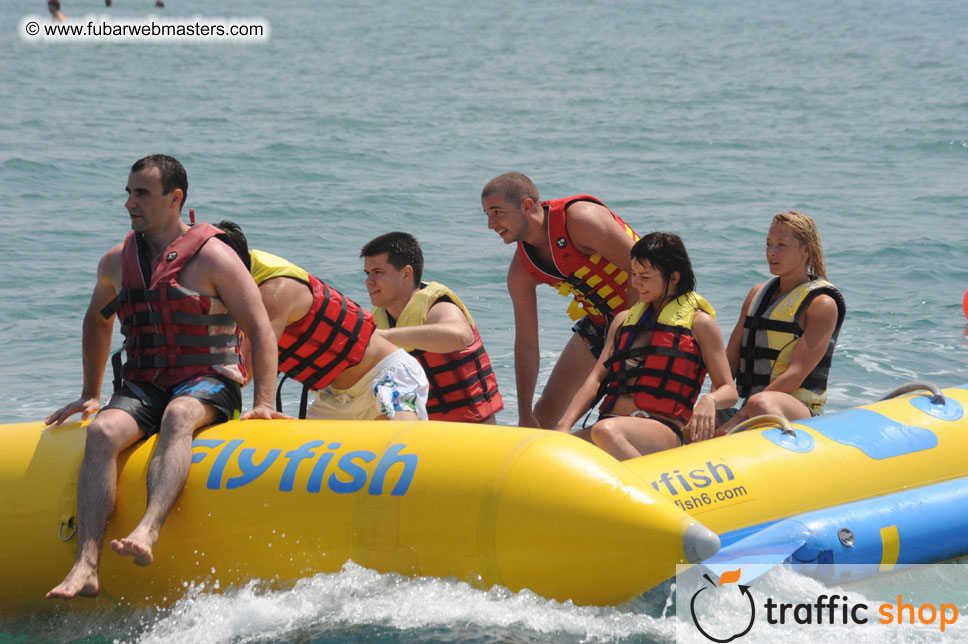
point(667, 254)
point(805, 230)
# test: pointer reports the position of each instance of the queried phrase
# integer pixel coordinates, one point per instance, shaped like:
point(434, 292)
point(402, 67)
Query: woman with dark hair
point(655, 361)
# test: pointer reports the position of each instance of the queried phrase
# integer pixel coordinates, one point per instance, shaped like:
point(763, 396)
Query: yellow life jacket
point(679, 312)
point(463, 386)
point(667, 374)
point(771, 333)
point(416, 311)
point(332, 336)
point(266, 266)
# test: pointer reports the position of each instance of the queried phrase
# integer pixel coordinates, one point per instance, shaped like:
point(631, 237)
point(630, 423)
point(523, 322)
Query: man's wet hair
point(235, 238)
point(173, 174)
point(515, 187)
point(402, 250)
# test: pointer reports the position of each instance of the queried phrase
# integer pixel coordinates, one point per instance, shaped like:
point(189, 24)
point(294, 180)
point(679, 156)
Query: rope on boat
point(918, 385)
point(764, 419)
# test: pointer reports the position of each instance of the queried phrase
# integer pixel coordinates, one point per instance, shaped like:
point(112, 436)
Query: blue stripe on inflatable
point(874, 434)
point(930, 522)
point(726, 539)
point(931, 526)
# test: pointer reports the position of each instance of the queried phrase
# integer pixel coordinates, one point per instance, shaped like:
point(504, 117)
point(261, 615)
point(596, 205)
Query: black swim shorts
point(644, 414)
point(593, 335)
point(146, 403)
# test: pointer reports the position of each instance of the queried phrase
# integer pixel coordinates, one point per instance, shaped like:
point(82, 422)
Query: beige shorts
point(396, 383)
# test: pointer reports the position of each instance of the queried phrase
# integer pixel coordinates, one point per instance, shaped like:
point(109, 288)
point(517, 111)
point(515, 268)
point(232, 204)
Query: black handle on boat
point(70, 524)
point(765, 419)
point(936, 399)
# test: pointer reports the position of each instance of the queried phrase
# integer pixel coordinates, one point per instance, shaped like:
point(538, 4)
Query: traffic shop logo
point(729, 577)
point(822, 611)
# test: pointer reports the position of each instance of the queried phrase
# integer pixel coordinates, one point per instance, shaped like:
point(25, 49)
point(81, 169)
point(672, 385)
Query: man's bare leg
point(107, 436)
point(573, 366)
point(167, 473)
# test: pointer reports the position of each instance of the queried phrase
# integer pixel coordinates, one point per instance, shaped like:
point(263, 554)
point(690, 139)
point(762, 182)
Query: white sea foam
point(357, 598)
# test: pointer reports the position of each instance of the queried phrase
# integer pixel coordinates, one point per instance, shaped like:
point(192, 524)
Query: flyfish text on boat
point(341, 472)
point(678, 482)
point(702, 488)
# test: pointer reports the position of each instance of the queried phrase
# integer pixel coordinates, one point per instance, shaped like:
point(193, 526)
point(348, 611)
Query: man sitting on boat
point(182, 295)
point(327, 342)
point(433, 325)
point(581, 248)
point(781, 348)
point(655, 361)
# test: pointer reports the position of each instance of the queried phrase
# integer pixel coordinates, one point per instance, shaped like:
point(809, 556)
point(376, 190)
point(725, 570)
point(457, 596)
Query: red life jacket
point(332, 336)
point(170, 334)
point(463, 386)
point(598, 286)
point(665, 375)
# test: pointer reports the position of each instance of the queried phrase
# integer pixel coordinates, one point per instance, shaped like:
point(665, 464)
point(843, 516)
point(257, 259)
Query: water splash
point(358, 603)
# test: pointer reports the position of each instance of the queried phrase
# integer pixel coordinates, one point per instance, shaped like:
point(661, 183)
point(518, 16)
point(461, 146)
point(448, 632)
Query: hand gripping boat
point(884, 483)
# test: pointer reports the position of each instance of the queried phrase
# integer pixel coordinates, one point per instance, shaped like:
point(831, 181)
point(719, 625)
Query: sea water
point(357, 118)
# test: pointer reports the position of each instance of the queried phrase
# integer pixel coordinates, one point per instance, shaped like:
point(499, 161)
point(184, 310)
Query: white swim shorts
point(396, 383)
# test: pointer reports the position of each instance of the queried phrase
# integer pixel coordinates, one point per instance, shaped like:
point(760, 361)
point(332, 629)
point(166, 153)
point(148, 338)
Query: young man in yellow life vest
point(182, 296)
point(782, 345)
point(329, 343)
point(581, 248)
point(430, 321)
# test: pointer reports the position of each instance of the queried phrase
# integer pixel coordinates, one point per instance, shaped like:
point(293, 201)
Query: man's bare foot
point(80, 582)
point(135, 546)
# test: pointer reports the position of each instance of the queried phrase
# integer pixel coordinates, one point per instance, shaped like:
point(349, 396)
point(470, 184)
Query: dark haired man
point(581, 248)
point(430, 322)
point(328, 343)
point(182, 296)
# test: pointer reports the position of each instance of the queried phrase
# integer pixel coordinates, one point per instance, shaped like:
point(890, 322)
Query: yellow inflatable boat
point(277, 500)
point(280, 500)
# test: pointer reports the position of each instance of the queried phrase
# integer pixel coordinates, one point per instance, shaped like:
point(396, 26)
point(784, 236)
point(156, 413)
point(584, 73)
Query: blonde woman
point(781, 348)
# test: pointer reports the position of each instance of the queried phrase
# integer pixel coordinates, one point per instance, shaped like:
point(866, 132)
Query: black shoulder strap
point(303, 399)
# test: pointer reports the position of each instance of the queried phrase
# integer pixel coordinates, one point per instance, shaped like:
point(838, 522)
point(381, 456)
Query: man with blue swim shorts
point(183, 298)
